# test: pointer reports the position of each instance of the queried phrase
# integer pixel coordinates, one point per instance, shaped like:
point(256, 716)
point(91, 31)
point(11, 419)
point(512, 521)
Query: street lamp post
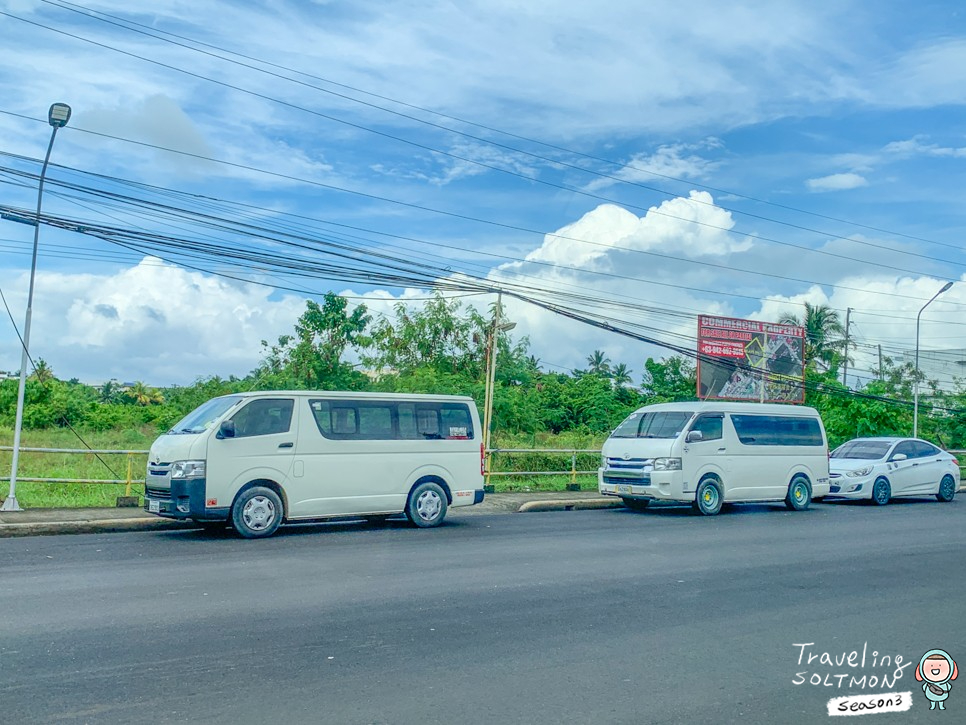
point(57, 117)
point(491, 378)
point(915, 405)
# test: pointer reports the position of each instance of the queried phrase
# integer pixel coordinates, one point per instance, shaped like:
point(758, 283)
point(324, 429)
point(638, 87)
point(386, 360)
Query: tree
point(824, 336)
point(312, 357)
point(620, 375)
point(672, 380)
point(42, 372)
point(599, 363)
point(141, 394)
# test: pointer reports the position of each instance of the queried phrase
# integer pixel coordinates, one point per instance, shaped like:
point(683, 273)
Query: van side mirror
point(899, 457)
point(226, 429)
point(694, 436)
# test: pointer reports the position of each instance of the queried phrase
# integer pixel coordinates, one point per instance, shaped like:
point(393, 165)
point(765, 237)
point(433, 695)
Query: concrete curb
point(50, 528)
point(569, 505)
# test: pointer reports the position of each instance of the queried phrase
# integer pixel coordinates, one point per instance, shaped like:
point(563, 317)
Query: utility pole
point(880, 361)
point(845, 365)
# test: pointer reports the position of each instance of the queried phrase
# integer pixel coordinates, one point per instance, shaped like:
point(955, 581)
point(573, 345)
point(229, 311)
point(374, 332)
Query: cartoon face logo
point(936, 671)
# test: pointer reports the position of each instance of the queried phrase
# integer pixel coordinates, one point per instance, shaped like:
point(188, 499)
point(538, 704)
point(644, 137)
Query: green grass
point(88, 466)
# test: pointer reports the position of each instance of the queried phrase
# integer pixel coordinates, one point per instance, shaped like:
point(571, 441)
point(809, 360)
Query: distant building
point(946, 367)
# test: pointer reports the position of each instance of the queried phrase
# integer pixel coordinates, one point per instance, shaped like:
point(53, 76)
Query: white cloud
point(836, 182)
point(918, 146)
point(676, 161)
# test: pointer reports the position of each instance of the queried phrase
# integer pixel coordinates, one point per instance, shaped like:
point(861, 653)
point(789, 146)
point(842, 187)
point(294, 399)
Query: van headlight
point(188, 469)
point(667, 464)
point(859, 472)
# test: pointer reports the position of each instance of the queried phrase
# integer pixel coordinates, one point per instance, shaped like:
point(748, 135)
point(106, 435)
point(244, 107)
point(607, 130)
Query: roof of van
point(344, 395)
point(728, 406)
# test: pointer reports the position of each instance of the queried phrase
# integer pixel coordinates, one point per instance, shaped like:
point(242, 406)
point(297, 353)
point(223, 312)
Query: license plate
point(154, 507)
point(623, 488)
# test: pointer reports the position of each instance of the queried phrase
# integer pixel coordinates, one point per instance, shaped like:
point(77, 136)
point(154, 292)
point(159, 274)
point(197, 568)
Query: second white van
point(710, 453)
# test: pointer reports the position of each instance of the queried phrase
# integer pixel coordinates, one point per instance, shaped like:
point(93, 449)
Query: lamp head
point(58, 115)
point(946, 287)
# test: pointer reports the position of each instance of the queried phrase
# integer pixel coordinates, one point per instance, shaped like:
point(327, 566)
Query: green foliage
point(670, 381)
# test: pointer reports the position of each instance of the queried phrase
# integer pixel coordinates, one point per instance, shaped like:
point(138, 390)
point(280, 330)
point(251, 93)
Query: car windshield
point(865, 450)
point(202, 417)
point(653, 425)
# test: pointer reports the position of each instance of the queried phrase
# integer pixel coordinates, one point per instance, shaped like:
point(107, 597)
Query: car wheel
point(426, 506)
point(708, 498)
point(881, 492)
point(256, 513)
point(799, 494)
point(947, 489)
point(636, 504)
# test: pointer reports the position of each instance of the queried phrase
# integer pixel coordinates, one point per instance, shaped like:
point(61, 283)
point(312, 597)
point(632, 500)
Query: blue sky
point(818, 147)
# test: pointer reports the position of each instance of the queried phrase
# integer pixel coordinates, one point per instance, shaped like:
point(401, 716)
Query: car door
point(903, 473)
point(931, 467)
point(710, 453)
point(262, 446)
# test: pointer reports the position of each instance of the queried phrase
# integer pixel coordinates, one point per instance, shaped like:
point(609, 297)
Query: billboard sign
point(750, 360)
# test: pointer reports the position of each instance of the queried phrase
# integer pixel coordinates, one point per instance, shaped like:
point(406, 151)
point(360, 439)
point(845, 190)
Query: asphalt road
point(571, 617)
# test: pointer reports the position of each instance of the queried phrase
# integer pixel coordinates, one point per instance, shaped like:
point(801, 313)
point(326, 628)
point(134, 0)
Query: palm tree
point(621, 375)
point(143, 395)
point(599, 363)
point(824, 335)
point(110, 391)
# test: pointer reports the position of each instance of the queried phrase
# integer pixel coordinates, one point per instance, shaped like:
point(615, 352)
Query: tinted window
point(777, 430)
point(906, 448)
point(925, 450)
point(867, 450)
point(389, 420)
point(709, 426)
point(264, 417)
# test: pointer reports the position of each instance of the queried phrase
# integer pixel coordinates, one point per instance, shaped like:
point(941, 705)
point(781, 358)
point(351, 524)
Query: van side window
point(390, 420)
point(777, 430)
point(264, 417)
point(709, 426)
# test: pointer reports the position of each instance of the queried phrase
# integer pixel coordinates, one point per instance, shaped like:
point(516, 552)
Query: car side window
point(264, 417)
point(906, 447)
point(926, 450)
point(709, 426)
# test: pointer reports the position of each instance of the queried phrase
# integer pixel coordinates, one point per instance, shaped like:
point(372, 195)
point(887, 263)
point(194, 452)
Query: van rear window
point(777, 430)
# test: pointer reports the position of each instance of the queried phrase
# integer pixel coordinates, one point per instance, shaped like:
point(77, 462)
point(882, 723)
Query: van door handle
point(722, 450)
point(286, 445)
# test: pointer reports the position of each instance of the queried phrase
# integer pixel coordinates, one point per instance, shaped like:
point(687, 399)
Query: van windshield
point(202, 417)
point(668, 424)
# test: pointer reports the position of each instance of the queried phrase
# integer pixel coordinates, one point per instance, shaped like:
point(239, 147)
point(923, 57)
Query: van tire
point(426, 506)
point(636, 504)
point(708, 499)
point(257, 512)
point(799, 494)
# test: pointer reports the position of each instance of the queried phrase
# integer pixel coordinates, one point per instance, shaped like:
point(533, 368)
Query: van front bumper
point(184, 500)
point(657, 486)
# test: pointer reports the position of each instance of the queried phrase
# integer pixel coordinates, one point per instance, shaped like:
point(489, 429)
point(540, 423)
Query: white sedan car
point(880, 469)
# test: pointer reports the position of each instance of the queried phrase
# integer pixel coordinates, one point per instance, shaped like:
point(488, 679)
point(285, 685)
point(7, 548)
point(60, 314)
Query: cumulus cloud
point(675, 161)
point(693, 227)
point(836, 182)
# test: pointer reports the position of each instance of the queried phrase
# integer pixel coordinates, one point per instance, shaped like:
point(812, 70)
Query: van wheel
point(947, 489)
point(708, 499)
point(426, 506)
point(799, 494)
point(636, 504)
point(256, 513)
point(881, 492)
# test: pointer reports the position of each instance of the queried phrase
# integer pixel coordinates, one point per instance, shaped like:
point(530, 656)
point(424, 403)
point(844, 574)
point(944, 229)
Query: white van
point(709, 453)
point(259, 459)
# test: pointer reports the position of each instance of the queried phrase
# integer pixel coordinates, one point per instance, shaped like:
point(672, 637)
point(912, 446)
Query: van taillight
point(482, 460)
